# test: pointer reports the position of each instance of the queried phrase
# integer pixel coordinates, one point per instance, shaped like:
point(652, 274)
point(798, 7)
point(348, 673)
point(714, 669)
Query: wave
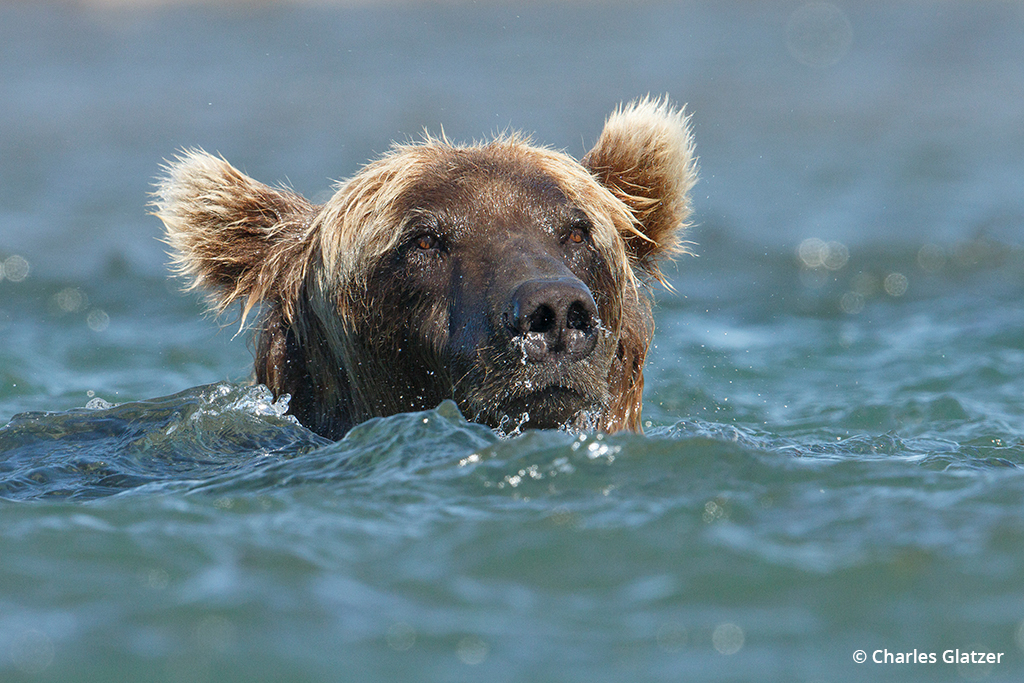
point(220, 438)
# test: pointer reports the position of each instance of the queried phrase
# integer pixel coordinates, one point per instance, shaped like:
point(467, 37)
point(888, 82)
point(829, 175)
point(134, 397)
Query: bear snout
point(553, 319)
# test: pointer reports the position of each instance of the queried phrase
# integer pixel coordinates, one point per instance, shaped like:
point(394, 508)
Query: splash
point(587, 420)
point(510, 427)
point(259, 400)
point(103, 448)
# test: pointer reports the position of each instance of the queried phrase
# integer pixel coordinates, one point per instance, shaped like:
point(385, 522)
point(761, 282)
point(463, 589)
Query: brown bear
point(505, 276)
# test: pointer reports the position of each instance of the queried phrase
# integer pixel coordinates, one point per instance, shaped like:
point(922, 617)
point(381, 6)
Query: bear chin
point(538, 395)
point(553, 407)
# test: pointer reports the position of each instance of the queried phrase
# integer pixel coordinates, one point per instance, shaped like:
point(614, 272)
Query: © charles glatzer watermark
point(919, 657)
point(973, 663)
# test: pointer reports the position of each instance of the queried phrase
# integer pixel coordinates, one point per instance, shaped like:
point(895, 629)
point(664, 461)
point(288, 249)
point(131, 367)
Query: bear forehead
point(473, 190)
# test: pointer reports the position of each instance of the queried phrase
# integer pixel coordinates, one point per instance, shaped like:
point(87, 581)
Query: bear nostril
point(579, 318)
point(541, 320)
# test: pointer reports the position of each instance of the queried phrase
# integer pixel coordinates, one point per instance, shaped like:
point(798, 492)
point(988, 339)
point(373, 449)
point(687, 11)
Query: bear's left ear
point(645, 156)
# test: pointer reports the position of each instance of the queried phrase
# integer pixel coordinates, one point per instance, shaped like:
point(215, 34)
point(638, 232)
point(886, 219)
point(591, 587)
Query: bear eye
point(578, 232)
point(425, 242)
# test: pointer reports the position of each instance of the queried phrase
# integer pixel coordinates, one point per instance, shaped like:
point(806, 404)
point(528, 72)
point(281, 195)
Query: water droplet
point(470, 459)
point(98, 403)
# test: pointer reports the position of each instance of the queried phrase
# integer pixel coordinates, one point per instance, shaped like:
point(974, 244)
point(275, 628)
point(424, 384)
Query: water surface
point(832, 458)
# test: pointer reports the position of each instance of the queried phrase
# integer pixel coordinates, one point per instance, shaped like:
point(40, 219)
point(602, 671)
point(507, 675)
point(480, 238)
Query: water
point(835, 405)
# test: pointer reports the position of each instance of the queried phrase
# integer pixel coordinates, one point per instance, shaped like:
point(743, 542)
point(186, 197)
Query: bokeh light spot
point(895, 284)
point(32, 652)
point(16, 268)
point(401, 637)
point(728, 638)
point(472, 650)
point(70, 300)
point(816, 253)
point(852, 303)
point(97, 320)
point(931, 258)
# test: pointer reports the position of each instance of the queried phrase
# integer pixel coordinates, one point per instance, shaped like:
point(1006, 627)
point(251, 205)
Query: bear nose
point(553, 319)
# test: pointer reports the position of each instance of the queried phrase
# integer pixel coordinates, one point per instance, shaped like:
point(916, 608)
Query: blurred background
point(853, 129)
point(854, 122)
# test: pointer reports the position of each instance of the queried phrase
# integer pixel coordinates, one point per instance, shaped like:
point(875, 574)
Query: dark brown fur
point(416, 281)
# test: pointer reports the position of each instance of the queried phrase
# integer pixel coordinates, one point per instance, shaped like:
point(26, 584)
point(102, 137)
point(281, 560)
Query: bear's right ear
point(230, 234)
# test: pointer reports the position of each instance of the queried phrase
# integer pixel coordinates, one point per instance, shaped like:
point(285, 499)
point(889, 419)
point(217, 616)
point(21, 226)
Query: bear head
point(505, 276)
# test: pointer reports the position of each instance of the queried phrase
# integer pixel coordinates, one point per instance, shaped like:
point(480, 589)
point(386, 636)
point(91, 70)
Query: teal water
point(833, 459)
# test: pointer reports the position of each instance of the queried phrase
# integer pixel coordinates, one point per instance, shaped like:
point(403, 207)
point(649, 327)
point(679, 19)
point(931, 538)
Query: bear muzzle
point(548, 359)
point(552, 320)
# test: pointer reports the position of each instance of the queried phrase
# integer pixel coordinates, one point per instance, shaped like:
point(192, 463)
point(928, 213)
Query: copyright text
point(919, 657)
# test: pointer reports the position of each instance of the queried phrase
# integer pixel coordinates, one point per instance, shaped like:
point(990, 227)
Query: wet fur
point(341, 331)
